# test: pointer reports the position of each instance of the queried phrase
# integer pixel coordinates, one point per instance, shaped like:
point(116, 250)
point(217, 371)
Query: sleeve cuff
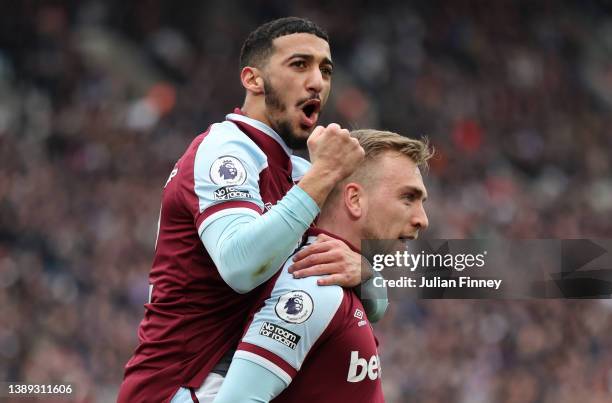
point(266, 359)
point(222, 209)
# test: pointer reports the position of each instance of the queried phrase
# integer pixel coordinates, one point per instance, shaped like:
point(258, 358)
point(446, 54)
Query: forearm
point(318, 184)
point(248, 250)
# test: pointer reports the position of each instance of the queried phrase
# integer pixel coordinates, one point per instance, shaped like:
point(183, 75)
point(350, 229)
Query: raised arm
point(248, 248)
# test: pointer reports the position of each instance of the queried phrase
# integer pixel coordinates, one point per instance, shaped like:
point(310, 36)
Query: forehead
point(397, 172)
point(301, 43)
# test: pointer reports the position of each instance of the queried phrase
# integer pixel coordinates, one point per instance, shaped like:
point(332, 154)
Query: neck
point(340, 225)
point(255, 109)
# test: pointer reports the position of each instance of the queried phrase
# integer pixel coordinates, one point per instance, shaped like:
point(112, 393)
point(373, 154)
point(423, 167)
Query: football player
point(309, 343)
point(234, 208)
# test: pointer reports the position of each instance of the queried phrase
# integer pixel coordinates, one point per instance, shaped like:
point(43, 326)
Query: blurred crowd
point(99, 98)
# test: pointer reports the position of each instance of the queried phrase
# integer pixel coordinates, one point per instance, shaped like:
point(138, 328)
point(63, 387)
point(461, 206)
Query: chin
point(294, 137)
point(301, 134)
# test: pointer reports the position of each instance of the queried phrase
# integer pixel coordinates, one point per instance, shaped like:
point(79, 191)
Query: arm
point(248, 249)
point(263, 385)
point(334, 155)
point(278, 340)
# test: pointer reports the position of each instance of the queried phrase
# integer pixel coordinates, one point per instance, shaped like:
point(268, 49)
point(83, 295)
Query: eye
point(327, 71)
point(299, 64)
point(410, 197)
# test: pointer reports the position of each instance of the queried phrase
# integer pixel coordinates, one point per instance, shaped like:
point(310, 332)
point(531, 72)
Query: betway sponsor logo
point(279, 334)
point(360, 367)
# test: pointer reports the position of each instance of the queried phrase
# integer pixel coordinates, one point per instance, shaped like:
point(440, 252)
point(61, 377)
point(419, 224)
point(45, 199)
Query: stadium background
point(99, 98)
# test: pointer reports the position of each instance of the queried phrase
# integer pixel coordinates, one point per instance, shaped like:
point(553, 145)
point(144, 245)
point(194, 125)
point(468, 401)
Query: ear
point(354, 200)
point(252, 80)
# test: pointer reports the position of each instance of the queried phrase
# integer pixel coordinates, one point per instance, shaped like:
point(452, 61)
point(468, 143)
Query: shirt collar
point(262, 127)
point(313, 232)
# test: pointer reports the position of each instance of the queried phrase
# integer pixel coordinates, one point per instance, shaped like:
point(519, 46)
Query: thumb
point(316, 132)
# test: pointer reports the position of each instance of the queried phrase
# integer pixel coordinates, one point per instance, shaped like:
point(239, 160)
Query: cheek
point(285, 87)
point(398, 217)
point(386, 217)
point(293, 87)
point(325, 93)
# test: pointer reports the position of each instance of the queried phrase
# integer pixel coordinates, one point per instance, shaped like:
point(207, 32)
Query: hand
point(329, 256)
point(334, 152)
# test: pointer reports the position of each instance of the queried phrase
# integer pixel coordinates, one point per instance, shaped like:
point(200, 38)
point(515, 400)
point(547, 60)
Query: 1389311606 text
point(35, 389)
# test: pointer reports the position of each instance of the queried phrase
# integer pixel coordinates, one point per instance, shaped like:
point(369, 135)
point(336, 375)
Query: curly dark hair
point(258, 45)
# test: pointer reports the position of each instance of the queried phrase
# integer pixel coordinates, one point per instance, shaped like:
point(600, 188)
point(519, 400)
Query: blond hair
point(378, 142)
point(375, 142)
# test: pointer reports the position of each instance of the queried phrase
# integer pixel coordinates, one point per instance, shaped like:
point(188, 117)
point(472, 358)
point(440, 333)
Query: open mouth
point(310, 112)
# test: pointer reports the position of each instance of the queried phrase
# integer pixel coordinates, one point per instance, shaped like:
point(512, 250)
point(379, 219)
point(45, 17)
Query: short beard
point(281, 126)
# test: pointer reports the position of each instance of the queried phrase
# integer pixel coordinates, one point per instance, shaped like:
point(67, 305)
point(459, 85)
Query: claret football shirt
point(193, 317)
point(317, 339)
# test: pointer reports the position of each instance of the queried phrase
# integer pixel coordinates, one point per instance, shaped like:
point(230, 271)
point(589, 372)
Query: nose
point(419, 219)
point(315, 82)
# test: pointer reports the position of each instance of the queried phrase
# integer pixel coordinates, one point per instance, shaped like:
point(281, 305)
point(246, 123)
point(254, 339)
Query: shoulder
point(301, 300)
point(225, 143)
point(286, 281)
point(293, 319)
point(227, 135)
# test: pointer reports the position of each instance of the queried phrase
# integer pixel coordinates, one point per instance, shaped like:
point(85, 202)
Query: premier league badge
point(294, 307)
point(228, 171)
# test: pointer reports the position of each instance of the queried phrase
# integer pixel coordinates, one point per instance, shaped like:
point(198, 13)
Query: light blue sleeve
point(248, 248)
point(226, 168)
point(248, 382)
point(291, 321)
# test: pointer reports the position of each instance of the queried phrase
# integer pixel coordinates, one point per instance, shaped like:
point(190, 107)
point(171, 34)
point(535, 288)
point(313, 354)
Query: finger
point(335, 279)
point(323, 237)
point(334, 126)
point(318, 258)
point(315, 247)
point(317, 131)
point(317, 270)
point(314, 136)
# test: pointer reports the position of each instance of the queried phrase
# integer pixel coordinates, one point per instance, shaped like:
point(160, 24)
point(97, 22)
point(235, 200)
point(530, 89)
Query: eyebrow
point(418, 192)
point(326, 60)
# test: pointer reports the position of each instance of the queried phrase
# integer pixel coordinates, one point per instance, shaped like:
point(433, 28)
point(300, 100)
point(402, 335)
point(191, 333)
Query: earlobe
point(252, 80)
